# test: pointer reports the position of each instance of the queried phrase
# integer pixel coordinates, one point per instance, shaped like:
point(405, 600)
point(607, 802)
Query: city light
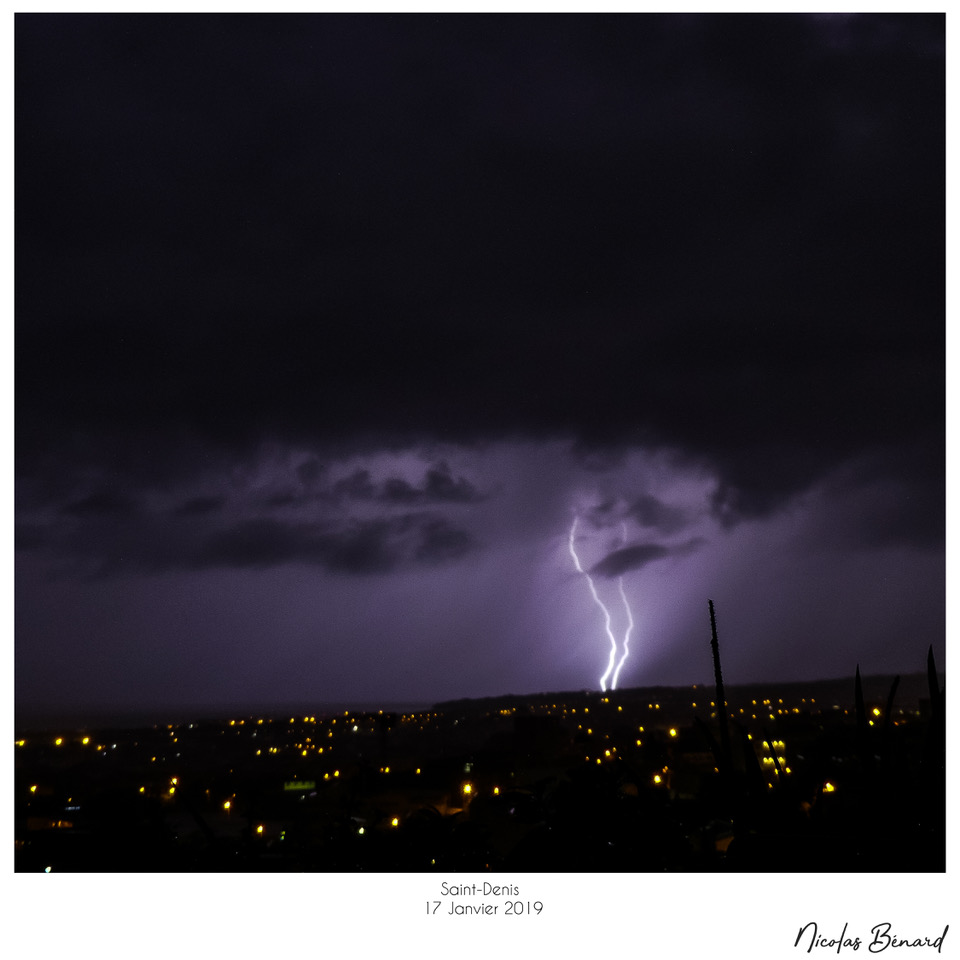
point(607, 739)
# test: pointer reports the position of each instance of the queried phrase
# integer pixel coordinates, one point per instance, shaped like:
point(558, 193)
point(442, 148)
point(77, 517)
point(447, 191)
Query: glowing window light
point(226, 804)
point(395, 822)
point(173, 790)
point(259, 828)
point(657, 778)
point(496, 791)
point(828, 787)
point(673, 731)
point(58, 741)
point(33, 789)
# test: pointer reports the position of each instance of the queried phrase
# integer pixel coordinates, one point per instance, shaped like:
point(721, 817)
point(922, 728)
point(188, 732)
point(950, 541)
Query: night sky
point(329, 327)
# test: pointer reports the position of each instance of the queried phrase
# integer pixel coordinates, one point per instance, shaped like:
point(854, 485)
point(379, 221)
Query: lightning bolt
point(626, 637)
point(606, 615)
point(599, 603)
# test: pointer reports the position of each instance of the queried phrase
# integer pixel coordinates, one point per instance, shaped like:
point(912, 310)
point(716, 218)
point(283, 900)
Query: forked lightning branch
point(614, 664)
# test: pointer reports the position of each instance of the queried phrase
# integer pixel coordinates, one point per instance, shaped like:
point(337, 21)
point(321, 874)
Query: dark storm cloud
point(645, 510)
point(719, 234)
point(873, 503)
point(105, 544)
point(101, 503)
point(442, 542)
point(648, 511)
point(629, 558)
point(439, 486)
point(198, 506)
point(633, 558)
point(310, 471)
point(357, 548)
point(362, 548)
point(357, 486)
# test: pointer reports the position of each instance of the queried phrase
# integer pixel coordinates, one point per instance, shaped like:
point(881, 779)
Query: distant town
point(820, 776)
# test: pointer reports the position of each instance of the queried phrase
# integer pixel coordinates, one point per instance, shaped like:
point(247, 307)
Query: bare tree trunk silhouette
point(721, 697)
